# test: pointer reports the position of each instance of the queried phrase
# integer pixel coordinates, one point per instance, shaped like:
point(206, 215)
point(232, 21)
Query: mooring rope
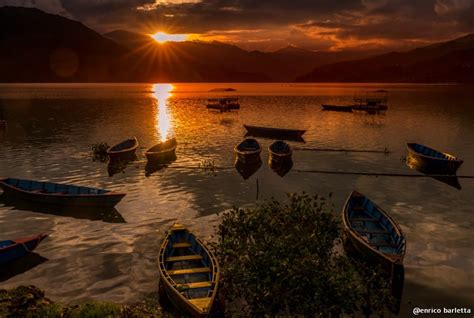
point(384, 151)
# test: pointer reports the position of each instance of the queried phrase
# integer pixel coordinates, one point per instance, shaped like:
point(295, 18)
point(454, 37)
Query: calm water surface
point(112, 256)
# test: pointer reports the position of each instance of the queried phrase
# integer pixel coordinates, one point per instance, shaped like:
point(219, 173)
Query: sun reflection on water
point(161, 92)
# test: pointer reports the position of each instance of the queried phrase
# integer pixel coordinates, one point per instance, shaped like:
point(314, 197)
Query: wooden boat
point(189, 272)
point(13, 249)
point(281, 168)
point(223, 104)
point(163, 151)
point(337, 108)
point(275, 133)
point(248, 151)
point(431, 161)
point(125, 148)
point(280, 152)
point(59, 194)
point(371, 233)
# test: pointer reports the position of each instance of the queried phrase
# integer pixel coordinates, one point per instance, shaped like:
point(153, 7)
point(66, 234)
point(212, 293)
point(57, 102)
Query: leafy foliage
point(99, 152)
point(283, 259)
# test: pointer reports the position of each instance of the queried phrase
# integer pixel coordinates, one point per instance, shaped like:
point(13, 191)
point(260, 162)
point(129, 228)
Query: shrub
point(283, 259)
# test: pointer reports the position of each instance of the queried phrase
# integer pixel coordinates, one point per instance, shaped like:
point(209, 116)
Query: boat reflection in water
point(246, 170)
point(281, 168)
point(450, 180)
point(109, 215)
point(20, 266)
point(156, 165)
point(117, 165)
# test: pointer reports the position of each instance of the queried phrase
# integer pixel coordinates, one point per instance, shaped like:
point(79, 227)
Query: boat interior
point(280, 147)
point(165, 145)
point(4, 244)
point(129, 143)
point(430, 152)
point(52, 188)
point(374, 227)
point(249, 144)
point(190, 268)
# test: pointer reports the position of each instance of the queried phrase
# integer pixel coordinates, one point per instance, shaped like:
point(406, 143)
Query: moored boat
point(59, 194)
point(431, 161)
point(223, 104)
point(371, 102)
point(189, 272)
point(11, 250)
point(337, 108)
point(125, 148)
point(163, 151)
point(248, 151)
point(275, 133)
point(280, 152)
point(371, 233)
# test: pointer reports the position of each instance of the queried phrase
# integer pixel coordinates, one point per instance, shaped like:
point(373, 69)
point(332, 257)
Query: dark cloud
point(314, 24)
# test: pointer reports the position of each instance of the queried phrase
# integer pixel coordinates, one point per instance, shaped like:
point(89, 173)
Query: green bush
point(282, 259)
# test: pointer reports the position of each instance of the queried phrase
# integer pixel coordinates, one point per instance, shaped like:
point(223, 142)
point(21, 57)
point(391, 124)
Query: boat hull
point(177, 286)
point(20, 248)
point(249, 158)
point(119, 151)
point(161, 157)
point(275, 133)
point(356, 246)
point(429, 165)
point(106, 200)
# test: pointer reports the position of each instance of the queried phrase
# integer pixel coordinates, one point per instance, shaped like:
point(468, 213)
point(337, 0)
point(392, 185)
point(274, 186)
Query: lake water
point(113, 257)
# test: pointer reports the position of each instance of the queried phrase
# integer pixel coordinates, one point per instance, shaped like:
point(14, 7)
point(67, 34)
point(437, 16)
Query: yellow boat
point(189, 272)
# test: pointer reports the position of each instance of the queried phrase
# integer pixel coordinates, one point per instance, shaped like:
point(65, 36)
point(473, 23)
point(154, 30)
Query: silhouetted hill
point(282, 65)
point(40, 47)
point(451, 61)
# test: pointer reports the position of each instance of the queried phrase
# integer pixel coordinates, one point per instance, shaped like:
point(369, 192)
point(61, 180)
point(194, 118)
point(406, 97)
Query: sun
point(162, 37)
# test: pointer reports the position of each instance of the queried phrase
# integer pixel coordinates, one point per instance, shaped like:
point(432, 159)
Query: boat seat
point(181, 245)
point(184, 258)
point(195, 285)
point(189, 271)
point(364, 219)
point(201, 303)
point(372, 231)
point(358, 208)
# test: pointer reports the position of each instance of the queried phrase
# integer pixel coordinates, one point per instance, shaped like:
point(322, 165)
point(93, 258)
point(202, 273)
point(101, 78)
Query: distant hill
point(282, 65)
point(451, 61)
point(40, 47)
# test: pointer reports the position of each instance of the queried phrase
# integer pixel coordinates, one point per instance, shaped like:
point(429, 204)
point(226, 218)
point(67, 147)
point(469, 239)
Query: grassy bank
point(30, 301)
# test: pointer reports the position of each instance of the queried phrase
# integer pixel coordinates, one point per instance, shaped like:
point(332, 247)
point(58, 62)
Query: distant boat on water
point(59, 194)
point(368, 101)
point(225, 89)
point(123, 149)
point(11, 250)
point(189, 272)
point(223, 104)
point(275, 133)
point(431, 161)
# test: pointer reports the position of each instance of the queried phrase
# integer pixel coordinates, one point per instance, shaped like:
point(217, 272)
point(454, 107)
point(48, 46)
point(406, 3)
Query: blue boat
point(189, 272)
point(59, 194)
point(371, 233)
point(11, 250)
point(429, 160)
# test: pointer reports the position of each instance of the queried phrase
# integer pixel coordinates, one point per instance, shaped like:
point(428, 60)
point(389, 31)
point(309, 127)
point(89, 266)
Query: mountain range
point(40, 47)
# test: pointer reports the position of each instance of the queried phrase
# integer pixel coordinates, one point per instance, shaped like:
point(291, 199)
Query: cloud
point(49, 6)
point(313, 24)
